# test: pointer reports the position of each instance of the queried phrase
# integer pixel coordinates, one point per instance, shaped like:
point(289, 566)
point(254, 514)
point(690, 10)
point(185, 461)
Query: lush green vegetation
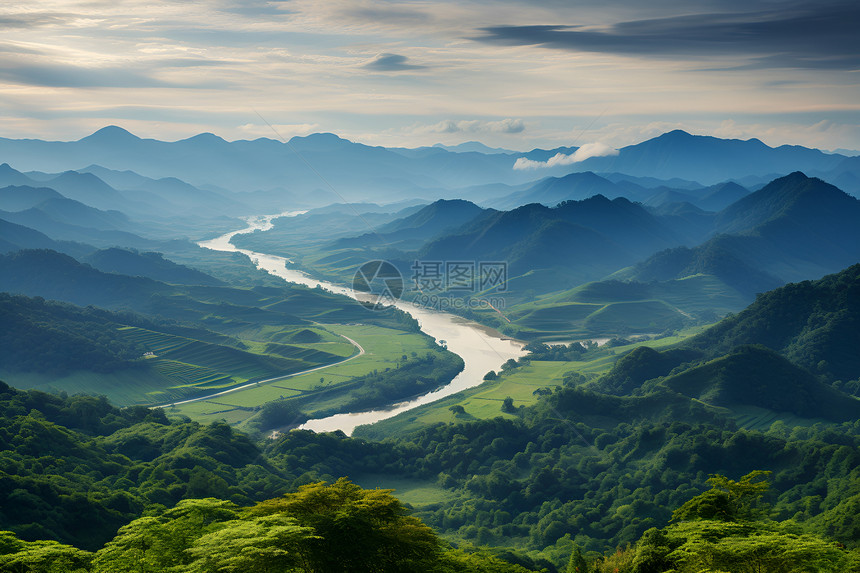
point(638, 455)
point(60, 346)
point(726, 529)
point(571, 459)
point(571, 472)
point(396, 365)
point(196, 339)
point(320, 528)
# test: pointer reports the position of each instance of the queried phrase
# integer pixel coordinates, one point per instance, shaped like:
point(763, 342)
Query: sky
point(508, 73)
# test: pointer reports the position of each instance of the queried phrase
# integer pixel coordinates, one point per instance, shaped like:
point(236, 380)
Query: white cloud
point(473, 126)
point(585, 152)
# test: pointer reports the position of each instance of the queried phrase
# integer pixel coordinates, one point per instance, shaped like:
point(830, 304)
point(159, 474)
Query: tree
point(142, 546)
point(40, 556)
point(508, 406)
point(457, 409)
point(157, 543)
point(356, 530)
point(264, 544)
point(577, 563)
point(727, 500)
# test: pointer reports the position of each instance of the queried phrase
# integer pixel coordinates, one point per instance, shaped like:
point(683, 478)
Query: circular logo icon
point(377, 284)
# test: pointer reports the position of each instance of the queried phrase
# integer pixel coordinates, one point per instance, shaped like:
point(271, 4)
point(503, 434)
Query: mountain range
point(327, 165)
point(794, 228)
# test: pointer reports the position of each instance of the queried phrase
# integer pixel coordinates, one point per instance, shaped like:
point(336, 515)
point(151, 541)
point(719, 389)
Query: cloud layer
point(512, 73)
point(585, 152)
point(806, 35)
point(391, 63)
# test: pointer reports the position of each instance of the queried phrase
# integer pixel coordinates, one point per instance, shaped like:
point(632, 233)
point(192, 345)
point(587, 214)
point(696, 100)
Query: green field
point(485, 401)
point(177, 367)
point(384, 348)
point(193, 366)
point(608, 309)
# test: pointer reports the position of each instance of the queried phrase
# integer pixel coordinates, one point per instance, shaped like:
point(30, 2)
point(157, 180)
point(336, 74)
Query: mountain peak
point(205, 137)
point(325, 137)
point(676, 134)
point(110, 135)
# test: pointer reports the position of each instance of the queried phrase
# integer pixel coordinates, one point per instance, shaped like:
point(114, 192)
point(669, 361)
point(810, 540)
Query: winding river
point(481, 348)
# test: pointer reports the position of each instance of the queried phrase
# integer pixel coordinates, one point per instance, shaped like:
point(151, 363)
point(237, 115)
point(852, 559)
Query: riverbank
point(481, 349)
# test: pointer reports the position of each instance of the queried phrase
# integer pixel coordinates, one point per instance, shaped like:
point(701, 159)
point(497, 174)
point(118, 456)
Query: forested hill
point(77, 470)
point(816, 324)
point(794, 350)
point(793, 228)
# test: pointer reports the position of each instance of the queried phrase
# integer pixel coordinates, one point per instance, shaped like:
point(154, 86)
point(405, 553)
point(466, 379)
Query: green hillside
point(813, 323)
point(758, 376)
point(63, 347)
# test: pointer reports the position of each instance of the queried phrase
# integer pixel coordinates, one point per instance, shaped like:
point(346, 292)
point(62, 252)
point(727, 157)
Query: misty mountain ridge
point(365, 172)
point(14, 237)
point(794, 228)
point(410, 232)
point(147, 264)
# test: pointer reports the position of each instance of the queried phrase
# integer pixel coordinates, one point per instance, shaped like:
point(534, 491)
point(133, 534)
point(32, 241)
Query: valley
point(591, 348)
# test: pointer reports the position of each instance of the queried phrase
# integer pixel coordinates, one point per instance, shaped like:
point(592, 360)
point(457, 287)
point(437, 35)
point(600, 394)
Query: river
point(482, 349)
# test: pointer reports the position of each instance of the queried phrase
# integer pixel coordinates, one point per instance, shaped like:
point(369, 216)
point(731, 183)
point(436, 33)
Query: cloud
point(474, 126)
point(279, 131)
point(585, 152)
point(798, 35)
point(391, 63)
point(31, 19)
point(75, 76)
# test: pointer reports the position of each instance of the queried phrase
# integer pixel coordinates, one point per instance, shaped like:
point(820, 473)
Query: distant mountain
point(800, 199)
point(21, 197)
point(151, 265)
point(709, 160)
point(83, 187)
point(306, 167)
point(587, 237)
point(690, 222)
point(88, 189)
point(794, 228)
point(14, 237)
point(170, 190)
point(652, 182)
point(573, 187)
point(474, 146)
point(411, 232)
point(52, 275)
point(582, 185)
point(846, 175)
point(718, 197)
point(68, 220)
point(713, 198)
point(303, 165)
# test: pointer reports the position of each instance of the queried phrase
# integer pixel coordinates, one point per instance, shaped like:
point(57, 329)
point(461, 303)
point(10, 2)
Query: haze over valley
point(448, 287)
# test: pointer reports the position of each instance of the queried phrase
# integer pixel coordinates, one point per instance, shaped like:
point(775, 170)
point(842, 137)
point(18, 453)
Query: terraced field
point(194, 366)
point(613, 308)
point(384, 348)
